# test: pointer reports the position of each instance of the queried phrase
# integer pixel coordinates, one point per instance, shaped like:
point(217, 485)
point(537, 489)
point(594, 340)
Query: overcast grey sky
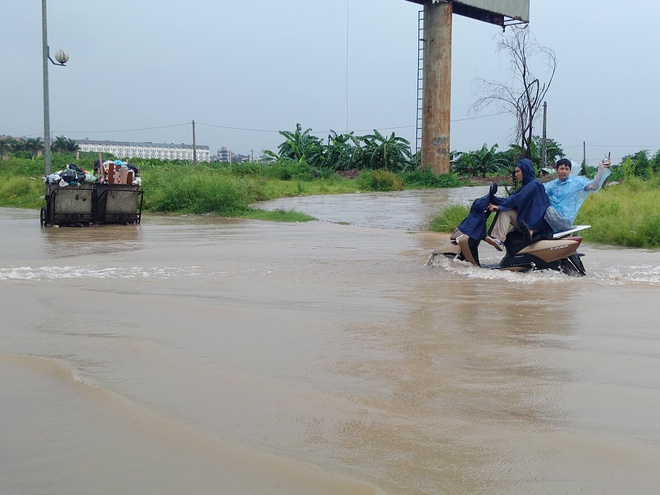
point(142, 70)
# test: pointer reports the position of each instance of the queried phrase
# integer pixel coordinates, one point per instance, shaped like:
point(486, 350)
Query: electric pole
point(194, 144)
point(544, 148)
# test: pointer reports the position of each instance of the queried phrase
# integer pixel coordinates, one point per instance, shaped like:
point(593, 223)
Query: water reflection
point(463, 363)
point(70, 242)
point(336, 345)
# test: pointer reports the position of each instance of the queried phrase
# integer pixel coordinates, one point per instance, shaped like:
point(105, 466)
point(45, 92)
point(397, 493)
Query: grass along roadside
point(217, 188)
point(224, 190)
point(626, 214)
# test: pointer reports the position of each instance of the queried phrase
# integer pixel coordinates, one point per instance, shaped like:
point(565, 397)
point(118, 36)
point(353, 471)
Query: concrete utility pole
point(44, 36)
point(194, 144)
point(437, 86)
point(544, 147)
point(62, 59)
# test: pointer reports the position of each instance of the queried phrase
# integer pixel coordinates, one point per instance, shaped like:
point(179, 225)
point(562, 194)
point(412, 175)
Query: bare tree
point(524, 96)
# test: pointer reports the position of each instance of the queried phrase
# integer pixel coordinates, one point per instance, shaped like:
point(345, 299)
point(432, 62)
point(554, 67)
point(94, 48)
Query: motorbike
point(559, 253)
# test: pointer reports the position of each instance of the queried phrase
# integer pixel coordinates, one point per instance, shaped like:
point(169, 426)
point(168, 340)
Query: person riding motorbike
point(568, 192)
point(523, 209)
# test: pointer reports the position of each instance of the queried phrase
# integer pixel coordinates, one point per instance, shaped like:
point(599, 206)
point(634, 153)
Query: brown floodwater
point(206, 355)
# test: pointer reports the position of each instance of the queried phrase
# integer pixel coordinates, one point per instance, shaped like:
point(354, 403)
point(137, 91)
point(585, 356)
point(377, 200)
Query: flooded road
point(205, 355)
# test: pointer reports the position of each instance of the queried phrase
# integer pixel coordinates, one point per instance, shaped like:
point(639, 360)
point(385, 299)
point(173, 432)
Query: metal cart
point(118, 203)
point(87, 204)
point(72, 205)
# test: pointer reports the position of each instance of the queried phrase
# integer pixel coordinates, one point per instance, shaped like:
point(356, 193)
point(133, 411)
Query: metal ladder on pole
point(420, 83)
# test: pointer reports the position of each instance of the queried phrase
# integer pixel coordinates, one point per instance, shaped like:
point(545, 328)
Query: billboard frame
point(499, 12)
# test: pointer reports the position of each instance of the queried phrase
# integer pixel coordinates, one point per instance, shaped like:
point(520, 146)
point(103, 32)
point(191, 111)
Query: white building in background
point(228, 156)
point(159, 151)
point(224, 155)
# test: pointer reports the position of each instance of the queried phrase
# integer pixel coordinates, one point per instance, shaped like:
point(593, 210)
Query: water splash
point(634, 274)
point(87, 272)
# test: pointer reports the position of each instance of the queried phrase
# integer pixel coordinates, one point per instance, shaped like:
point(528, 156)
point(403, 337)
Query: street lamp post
point(62, 59)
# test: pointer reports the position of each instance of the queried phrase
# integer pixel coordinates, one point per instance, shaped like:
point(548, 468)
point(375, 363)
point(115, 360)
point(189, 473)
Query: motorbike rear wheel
point(573, 266)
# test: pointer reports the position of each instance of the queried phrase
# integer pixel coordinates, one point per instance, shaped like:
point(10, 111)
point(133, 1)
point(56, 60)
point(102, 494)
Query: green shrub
point(19, 166)
point(380, 180)
point(285, 169)
point(245, 169)
point(194, 190)
point(449, 218)
point(21, 192)
point(426, 178)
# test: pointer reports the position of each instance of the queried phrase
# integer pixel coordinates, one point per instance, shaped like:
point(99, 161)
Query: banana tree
point(481, 162)
point(301, 145)
point(390, 153)
point(343, 152)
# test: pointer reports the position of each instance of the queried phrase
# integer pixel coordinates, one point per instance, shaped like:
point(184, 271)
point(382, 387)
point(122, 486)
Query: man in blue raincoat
point(568, 191)
point(526, 207)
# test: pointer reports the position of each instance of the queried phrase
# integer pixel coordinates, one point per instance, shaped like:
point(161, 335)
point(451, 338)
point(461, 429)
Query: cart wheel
point(42, 216)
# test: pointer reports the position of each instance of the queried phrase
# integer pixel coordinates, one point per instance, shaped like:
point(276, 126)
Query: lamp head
point(61, 56)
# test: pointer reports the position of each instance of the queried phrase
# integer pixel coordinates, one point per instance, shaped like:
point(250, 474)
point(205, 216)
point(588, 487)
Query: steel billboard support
point(437, 87)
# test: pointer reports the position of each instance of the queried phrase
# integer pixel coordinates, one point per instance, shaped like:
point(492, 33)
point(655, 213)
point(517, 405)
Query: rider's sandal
point(524, 230)
point(496, 243)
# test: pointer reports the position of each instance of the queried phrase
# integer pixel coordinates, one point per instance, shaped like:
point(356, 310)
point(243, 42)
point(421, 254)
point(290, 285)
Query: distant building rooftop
point(140, 144)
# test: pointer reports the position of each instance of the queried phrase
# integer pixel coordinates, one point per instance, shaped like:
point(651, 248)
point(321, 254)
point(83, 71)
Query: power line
point(612, 146)
point(481, 117)
point(127, 130)
point(247, 129)
point(237, 128)
point(621, 146)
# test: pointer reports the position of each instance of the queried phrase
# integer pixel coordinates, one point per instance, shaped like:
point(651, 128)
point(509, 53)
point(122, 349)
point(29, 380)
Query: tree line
point(31, 147)
point(349, 154)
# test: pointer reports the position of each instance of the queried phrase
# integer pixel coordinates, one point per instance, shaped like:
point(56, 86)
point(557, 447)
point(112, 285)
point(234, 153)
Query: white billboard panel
point(515, 9)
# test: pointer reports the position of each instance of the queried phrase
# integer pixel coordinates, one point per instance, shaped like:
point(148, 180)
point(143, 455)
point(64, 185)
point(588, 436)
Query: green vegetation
point(345, 151)
point(30, 147)
point(448, 219)
point(226, 189)
point(624, 215)
point(420, 179)
point(482, 162)
point(278, 215)
point(380, 180)
point(21, 192)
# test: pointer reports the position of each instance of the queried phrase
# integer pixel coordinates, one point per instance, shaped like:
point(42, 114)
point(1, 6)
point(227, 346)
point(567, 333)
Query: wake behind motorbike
point(559, 253)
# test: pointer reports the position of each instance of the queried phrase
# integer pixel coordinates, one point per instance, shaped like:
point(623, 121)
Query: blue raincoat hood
point(527, 168)
point(530, 200)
